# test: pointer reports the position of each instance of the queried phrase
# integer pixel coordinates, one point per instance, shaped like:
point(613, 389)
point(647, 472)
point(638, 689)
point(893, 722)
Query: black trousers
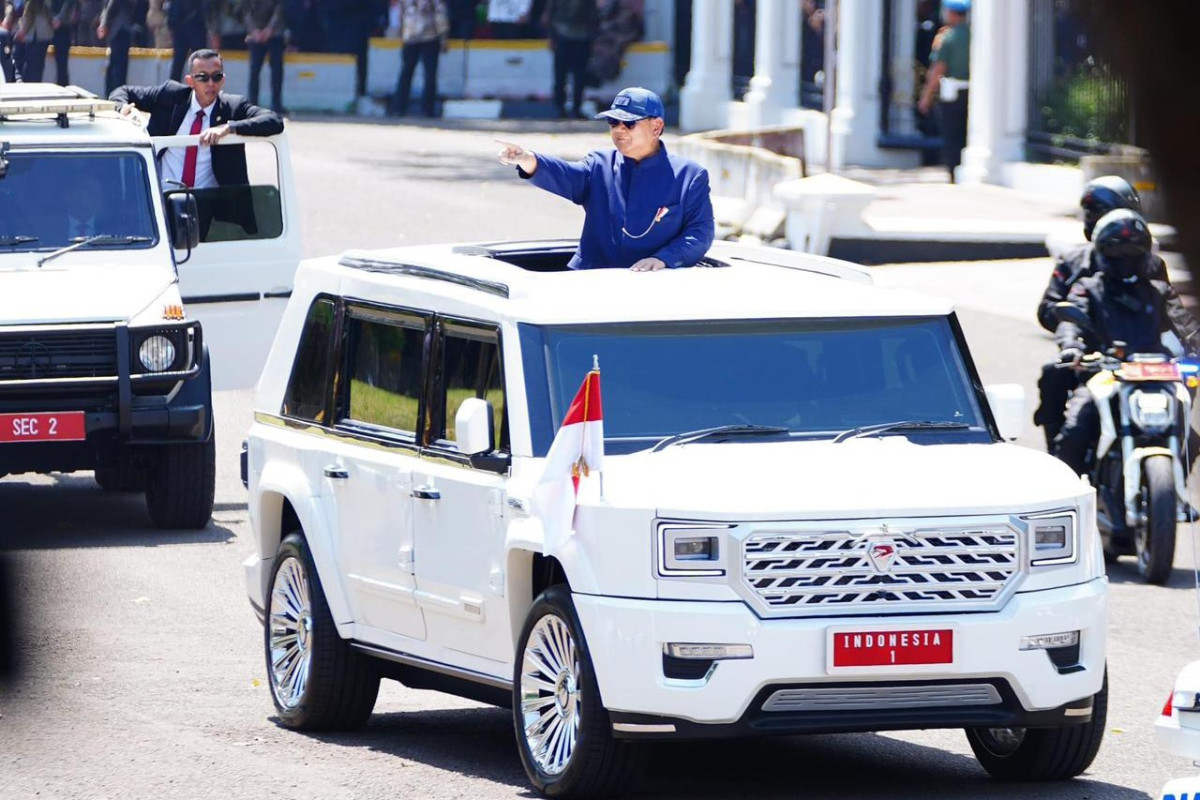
point(62, 54)
point(953, 119)
point(570, 58)
point(260, 51)
point(185, 42)
point(427, 53)
point(1054, 388)
point(29, 58)
point(6, 56)
point(118, 60)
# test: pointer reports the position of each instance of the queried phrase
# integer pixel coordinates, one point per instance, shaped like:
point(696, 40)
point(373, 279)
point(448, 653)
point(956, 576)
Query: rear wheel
point(563, 730)
point(1042, 754)
point(1155, 538)
point(181, 483)
point(317, 681)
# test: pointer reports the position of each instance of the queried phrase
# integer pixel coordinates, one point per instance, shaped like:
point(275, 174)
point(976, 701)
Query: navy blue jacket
point(623, 199)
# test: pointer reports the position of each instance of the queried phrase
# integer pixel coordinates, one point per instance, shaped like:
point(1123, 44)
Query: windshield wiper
point(904, 424)
point(720, 430)
point(88, 241)
point(13, 241)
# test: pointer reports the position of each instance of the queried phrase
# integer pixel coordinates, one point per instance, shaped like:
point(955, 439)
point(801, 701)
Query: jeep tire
point(1042, 754)
point(318, 683)
point(181, 482)
point(563, 731)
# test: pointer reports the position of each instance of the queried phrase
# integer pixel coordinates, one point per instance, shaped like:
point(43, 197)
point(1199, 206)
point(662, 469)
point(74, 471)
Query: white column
point(996, 112)
point(706, 93)
point(854, 50)
point(776, 82)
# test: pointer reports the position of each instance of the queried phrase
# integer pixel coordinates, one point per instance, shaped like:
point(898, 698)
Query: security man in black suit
point(199, 107)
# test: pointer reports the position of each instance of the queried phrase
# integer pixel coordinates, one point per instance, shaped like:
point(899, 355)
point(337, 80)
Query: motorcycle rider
point(1100, 196)
point(1122, 304)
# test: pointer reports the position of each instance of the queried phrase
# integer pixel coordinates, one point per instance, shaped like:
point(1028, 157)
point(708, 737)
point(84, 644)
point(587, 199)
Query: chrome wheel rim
point(551, 702)
point(1003, 741)
point(290, 648)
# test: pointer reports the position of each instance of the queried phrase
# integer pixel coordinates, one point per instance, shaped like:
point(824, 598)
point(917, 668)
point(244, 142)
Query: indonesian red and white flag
point(575, 455)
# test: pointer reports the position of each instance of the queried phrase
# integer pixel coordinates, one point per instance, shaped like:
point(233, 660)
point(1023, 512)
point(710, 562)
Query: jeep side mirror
point(1007, 401)
point(1069, 312)
point(183, 219)
point(474, 430)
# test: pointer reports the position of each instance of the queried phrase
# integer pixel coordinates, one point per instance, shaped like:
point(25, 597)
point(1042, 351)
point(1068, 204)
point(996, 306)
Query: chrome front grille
point(914, 569)
point(882, 698)
point(56, 354)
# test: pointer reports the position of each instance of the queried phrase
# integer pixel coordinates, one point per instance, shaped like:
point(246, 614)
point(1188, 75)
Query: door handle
point(426, 493)
point(336, 471)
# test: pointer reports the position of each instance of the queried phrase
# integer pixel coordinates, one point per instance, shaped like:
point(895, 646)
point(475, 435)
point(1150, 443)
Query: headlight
point(157, 353)
point(1052, 539)
point(689, 550)
point(1151, 411)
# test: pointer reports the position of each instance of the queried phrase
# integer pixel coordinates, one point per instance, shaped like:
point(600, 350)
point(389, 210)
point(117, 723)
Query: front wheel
point(317, 681)
point(1155, 538)
point(1042, 754)
point(563, 730)
point(181, 483)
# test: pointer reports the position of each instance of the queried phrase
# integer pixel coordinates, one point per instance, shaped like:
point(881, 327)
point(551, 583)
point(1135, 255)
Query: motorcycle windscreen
point(238, 279)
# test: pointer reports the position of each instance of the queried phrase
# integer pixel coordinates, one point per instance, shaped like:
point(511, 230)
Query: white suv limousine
point(808, 519)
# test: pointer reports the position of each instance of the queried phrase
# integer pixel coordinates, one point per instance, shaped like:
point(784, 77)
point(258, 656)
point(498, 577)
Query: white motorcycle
point(1140, 465)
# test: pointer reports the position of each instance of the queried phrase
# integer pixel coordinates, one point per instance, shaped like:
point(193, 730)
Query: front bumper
point(789, 672)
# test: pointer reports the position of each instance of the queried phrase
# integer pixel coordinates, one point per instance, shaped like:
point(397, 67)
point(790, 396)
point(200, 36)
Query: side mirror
point(1007, 401)
point(183, 219)
point(1069, 312)
point(474, 431)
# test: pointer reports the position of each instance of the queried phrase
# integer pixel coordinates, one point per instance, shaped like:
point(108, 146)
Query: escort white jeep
point(104, 360)
point(809, 520)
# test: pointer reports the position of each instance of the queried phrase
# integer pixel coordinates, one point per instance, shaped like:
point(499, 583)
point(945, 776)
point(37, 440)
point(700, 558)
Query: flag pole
point(596, 369)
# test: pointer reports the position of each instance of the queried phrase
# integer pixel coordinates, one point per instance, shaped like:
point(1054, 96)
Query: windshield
point(51, 200)
point(811, 377)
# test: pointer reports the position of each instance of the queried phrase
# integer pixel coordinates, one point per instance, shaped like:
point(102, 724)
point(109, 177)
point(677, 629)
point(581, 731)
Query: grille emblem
point(33, 359)
point(881, 555)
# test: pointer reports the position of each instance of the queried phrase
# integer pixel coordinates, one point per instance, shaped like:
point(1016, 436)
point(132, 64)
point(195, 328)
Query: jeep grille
point(832, 571)
point(56, 354)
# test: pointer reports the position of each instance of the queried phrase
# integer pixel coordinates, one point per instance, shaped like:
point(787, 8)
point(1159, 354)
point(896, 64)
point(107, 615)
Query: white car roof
point(758, 283)
point(32, 113)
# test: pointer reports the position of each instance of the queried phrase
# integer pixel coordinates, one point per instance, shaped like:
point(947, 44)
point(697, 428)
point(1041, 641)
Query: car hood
point(54, 293)
point(886, 476)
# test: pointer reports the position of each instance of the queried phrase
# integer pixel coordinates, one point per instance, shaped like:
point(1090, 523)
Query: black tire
point(120, 476)
point(597, 765)
point(1156, 539)
point(1042, 754)
point(181, 483)
point(341, 687)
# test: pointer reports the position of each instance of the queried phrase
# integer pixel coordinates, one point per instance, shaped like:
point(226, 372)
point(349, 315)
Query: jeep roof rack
point(400, 268)
point(37, 99)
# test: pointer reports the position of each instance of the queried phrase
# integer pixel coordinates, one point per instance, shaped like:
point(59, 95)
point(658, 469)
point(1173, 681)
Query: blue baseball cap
point(632, 104)
point(957, 6)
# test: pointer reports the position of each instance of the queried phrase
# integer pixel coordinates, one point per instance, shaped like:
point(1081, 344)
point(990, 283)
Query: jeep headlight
point(691, 550)
point(1151, 411)
point(1052, 538)
point(157, 353)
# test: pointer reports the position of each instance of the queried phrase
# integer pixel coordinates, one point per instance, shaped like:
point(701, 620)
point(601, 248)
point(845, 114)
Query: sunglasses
point(628, 123)
point(204, 77)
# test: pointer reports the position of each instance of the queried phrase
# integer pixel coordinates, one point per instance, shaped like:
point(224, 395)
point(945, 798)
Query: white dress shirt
point(172, 160)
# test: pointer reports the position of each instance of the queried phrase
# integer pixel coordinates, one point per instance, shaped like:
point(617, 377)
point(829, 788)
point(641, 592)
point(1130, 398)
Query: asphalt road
point(143, 674)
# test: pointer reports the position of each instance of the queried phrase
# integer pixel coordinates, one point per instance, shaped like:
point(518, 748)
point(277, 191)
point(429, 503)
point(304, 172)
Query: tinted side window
point(471, 368)
point(244, 211)
point(309, 384)
point(384, 386)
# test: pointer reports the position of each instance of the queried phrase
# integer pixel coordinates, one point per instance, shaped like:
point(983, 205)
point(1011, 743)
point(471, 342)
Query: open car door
point(237, 281)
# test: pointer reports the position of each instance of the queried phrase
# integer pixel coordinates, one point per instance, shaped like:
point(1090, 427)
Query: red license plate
point(63, 426)
point(1149, 371)
point(892, 648)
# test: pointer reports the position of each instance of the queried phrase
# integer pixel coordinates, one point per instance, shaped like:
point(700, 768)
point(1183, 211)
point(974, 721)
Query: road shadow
point(70, 510)
point(480, 742)
point(1124, 570)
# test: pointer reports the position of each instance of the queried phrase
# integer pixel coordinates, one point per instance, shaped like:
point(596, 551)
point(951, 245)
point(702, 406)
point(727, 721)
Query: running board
point(436, 667)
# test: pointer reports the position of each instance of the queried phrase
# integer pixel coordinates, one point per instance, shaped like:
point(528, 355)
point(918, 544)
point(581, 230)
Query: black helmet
point(1102, 195)
point(1122, 242)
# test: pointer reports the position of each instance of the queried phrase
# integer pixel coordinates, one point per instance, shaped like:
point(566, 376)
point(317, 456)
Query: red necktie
point(189, 156)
